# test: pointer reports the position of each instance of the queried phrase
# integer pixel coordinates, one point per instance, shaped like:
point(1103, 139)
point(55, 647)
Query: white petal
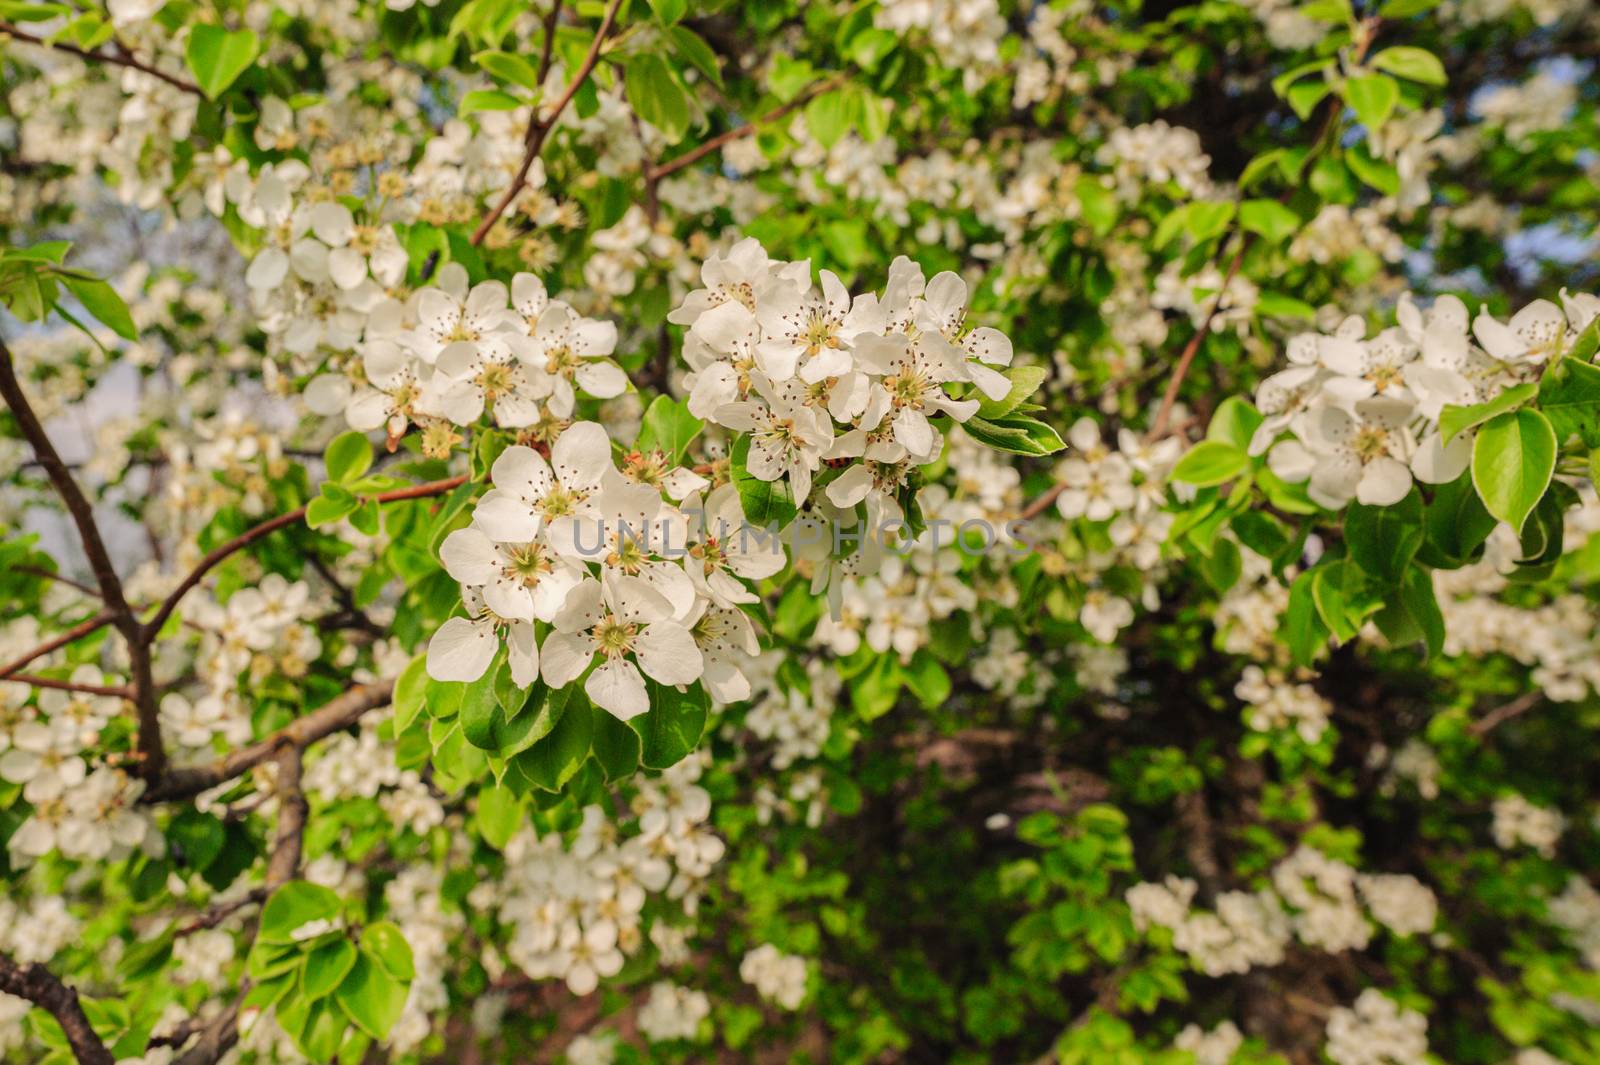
point(564, 657)
point(668, 653)
point(461, 650)
point(582, 455)
point(469, 557)
point(618, 688)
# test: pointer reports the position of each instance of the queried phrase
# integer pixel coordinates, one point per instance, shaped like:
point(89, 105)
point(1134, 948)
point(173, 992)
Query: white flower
point(1363, 455)
point(818, 328)
point(1534, 333)
point(787, 437)
point(573, 350)
point(1099, 481)
point(481, 321)
point(527, 495)
point(912, 378)
point(623, 619)
point(730, 548)
point(463, 648)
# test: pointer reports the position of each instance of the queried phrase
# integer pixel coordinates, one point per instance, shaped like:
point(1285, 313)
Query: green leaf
point(1234, 423)
point(1015, 433)
point(294, 905)
point(510, 67)
point(692, 47)
point(928, 680)
point(671, 728)
point(409, 689)
point(1375, 172)
point(217, 57)
point(1456, 524)
point(788, 77)
point(1208, 218)
point(874, 692)
point(1413, 64)
point(371, 997)
point(1269, 218)
point(499, 815)
point(552, 761)
point(1025, 381)
point(668, 426)
point(330, 507)
point(383, 942)
point(656, 97)
point(828, 117)
point(326, 968)
point(1211, 462)
point(488, 100)
point(1372, 97)
point(1383, 540)
point(764, 502)
point(347, 457)
point(1513, 459)
point(1406, 8)
point(102, 301)
point(1303, 629)
point(1569, 395)
point(1453, 420)
point(480, 707)
point(669, 11)
point(616, 747)
point(1414, 613)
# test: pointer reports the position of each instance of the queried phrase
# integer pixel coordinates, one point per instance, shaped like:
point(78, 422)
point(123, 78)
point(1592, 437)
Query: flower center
point(614, 637)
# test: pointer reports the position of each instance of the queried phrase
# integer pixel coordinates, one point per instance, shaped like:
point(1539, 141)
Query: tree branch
point(152, 755)
point(250, 536)
point(340, 712)
point(83, 628)
point(121, 58)
point(119, 691)
point(44, 989)
point(539, 126)
point(672, 166)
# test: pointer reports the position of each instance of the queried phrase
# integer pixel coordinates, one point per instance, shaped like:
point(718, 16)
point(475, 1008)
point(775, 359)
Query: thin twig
point(540, 125)
point(121, 58)
point(1501, 714)
point(339, 712)
point(83, 628)
point(250, 536)
point(152, 754)
point(44, 989)
point(694, 155)
point(120, 691)
point(1159, 427)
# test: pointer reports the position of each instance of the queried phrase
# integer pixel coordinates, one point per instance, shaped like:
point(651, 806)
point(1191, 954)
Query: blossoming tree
point(902, 530)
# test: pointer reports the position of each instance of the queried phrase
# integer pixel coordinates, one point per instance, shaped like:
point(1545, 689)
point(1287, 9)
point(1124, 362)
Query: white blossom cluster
point(795, 721)
point(1364, 411)
point(84, 811)
point(31, 931)
point(1214, 1047)
point(1313, 898)
point(1276, 703)
point(672, 1013)
point(1376, 1031)
point(619, 573)
point(576, 911)
point(813, 374)
point(964, 34)
point(1577, 911)
point(1520, 823)
point(777, 977)
point(363, 766)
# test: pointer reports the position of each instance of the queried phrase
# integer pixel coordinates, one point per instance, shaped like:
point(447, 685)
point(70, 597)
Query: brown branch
point(339, 712)
point(539, 126)
point(283, 865)
point(694, 155)
point(83, 628)
point(44, 989)
point(121, 58)
point(151, 753)
point(120, 691)
point(59, 578)
point(250, 536)
point(1501, 714)
point(1170, 397)
point(219, 913)
point(547, 49)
